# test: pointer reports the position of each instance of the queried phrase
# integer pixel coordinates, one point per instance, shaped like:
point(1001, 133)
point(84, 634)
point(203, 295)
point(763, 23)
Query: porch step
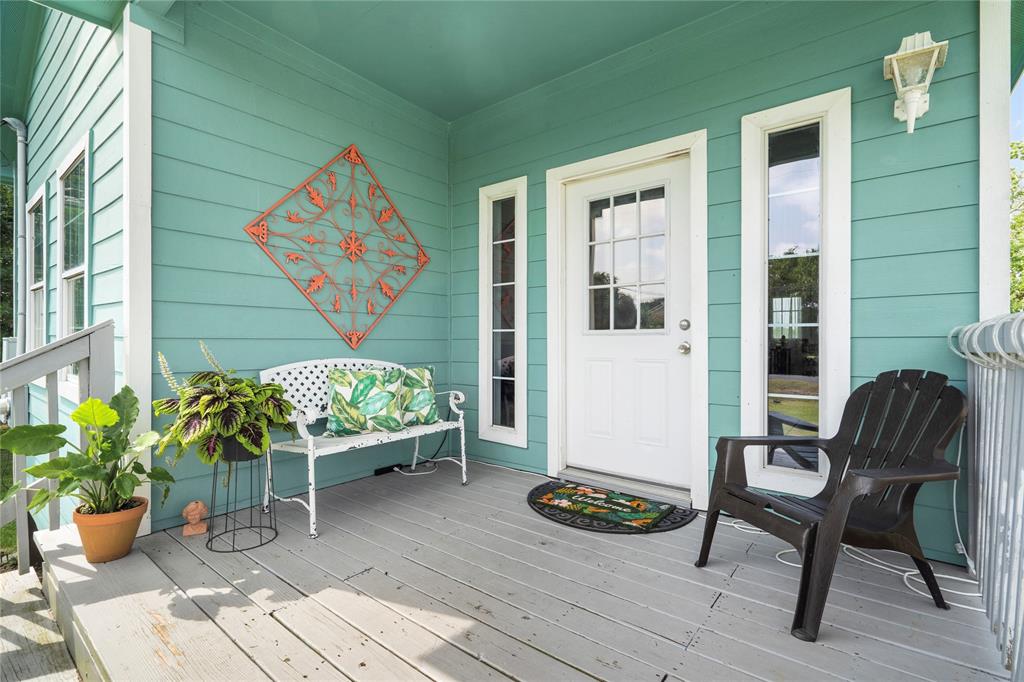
point(31, 646)
point(126, 620)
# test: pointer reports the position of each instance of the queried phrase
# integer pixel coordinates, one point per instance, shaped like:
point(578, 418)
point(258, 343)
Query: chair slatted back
point(902, 418)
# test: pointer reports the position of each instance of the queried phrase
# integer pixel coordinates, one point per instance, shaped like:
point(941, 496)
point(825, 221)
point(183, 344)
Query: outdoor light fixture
point(911, 70)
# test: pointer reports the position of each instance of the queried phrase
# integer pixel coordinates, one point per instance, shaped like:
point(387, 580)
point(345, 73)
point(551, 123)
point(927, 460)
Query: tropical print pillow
point(419, 404)
point(364, 400)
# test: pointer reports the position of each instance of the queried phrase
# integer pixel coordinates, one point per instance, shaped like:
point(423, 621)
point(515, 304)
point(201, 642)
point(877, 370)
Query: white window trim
point(37, 199)
point(68, 384)
point(833, 111)
point(516, 437)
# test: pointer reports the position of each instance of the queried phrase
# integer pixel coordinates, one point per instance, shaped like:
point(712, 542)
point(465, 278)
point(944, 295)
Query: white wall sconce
point(911, 70)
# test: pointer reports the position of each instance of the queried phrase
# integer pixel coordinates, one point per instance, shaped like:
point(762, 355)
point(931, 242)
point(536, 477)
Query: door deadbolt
point(684, 324)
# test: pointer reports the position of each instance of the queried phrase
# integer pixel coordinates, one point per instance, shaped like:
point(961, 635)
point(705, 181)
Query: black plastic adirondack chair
point(892, 438)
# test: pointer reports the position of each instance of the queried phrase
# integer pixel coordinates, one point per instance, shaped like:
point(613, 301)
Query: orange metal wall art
point(342, 242)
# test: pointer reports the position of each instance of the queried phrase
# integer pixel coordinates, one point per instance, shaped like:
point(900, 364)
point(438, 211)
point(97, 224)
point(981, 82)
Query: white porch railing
point(994, 350)
point(93, 350)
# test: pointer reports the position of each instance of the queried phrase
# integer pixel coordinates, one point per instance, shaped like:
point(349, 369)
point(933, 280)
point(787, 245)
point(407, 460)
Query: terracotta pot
point(106, 537)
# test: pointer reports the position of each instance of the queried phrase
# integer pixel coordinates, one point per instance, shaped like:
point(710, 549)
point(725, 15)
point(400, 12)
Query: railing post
point(19, 416)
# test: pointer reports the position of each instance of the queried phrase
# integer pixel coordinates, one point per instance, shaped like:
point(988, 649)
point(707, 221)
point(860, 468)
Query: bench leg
point(415, 452)
point(266, 490)
point(462, 445)
point(312, 491)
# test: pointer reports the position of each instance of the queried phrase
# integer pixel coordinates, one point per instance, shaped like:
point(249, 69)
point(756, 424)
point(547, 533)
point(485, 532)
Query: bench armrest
point(455, 398)
point(875, 480)
point(301, 422)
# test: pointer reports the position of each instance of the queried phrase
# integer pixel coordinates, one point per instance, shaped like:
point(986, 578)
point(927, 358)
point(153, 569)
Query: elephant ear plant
point(216, 412)
point(104, 475)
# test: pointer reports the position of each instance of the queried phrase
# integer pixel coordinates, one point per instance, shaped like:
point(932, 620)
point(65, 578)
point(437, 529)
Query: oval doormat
point(605, 511)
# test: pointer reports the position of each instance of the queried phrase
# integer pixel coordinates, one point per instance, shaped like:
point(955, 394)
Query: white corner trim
point(517, 437)
point(136, 204)
point(833, 111)
point(993, 158)
point(694, 144)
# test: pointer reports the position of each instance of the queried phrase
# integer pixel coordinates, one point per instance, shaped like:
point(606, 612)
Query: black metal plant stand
point(245, 522)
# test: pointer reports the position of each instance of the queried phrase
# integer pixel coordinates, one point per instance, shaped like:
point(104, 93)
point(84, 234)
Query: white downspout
point(20, 242)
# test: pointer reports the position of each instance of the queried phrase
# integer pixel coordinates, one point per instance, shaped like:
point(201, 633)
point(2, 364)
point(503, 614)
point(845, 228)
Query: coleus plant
point(214, 407)
point(104, 475)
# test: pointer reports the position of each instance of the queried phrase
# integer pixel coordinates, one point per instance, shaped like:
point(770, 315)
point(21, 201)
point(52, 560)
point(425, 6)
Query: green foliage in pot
point(106, 473)
point(215, 406)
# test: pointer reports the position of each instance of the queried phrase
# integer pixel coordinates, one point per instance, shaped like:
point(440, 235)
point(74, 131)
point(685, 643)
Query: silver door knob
point(684, 324)
point(684, 348)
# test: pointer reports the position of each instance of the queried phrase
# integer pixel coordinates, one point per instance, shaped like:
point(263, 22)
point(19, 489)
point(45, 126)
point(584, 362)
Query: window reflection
point(794, 245)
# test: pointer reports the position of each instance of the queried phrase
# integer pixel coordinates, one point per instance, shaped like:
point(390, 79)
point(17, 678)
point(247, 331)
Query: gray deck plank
point(351, 651)
point(422, 649)
point(31, 646)
point(141, 622)
point(278, 652)
point(507, 654)
point(357, 538)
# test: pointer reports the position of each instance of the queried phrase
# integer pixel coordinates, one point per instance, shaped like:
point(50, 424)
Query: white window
point(73, 242)
point(503, 312)
point(36, 272)
point(795, 346)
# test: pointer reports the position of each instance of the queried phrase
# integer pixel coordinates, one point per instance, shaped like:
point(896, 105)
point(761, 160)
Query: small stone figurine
point(194, 513)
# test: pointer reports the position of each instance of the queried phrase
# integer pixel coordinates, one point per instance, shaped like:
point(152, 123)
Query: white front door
point(627, 315)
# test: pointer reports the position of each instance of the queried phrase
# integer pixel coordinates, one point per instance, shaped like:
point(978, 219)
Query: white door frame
point(695, 145)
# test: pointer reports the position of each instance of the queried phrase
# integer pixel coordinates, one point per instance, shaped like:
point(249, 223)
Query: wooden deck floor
point(418, 578)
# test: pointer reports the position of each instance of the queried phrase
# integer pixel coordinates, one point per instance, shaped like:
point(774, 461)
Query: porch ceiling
point(453, 58)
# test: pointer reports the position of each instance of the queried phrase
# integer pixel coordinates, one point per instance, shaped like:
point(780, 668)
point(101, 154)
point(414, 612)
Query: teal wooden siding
point(240, 116)
point(75, 93)
point(915, 229)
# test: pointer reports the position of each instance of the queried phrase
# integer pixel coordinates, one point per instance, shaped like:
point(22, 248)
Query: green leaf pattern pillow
point(418, 402)
point(364, 400)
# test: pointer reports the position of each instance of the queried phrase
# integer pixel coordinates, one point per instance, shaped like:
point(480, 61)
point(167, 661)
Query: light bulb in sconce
point(911, 70)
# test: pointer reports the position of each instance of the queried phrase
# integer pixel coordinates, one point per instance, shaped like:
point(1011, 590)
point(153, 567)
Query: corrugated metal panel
point(994, 350)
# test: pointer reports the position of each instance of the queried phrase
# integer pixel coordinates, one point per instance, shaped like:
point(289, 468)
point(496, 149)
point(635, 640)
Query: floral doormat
point(605, 511)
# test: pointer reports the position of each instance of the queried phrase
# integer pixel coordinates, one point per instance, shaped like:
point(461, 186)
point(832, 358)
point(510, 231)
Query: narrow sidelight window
point(502, 312)
point(795, 284)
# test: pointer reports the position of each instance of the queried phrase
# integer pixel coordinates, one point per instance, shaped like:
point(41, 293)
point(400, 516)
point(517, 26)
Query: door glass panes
point(627, 251)
point(35, 221)
point(38, 316)
point(794, 247)
point(76, 310)
point(74, 215)
point(503, 311)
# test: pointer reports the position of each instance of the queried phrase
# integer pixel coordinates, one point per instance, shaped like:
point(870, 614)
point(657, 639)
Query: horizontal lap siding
point(914, 208)
point(75, 91)
point(240, 116)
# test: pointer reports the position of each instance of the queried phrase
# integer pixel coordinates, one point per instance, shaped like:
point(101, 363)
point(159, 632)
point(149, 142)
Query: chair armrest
point(874, 480)
point(747, 441)
point(731, 467)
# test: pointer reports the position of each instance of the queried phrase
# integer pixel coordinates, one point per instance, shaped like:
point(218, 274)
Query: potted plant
point(222, 416)
point(103, 476)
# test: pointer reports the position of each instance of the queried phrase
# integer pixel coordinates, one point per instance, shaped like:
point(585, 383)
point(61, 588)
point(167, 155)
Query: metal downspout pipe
point(20, 241)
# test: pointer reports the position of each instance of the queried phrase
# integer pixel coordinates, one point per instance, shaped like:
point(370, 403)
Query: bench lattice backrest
point(305, 383)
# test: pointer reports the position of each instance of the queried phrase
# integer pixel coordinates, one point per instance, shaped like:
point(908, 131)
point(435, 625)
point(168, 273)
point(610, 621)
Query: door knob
point(684, 324)
point(684, 348)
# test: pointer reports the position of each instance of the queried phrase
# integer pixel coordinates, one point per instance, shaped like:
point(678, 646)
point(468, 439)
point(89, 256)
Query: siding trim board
point(137, 239)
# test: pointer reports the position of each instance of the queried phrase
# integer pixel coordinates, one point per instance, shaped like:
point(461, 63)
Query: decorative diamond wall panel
point(344, 245)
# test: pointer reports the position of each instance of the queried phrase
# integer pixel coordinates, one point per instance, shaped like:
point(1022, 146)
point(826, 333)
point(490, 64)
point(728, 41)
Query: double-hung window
point(795, 280)
point(36, 271)
point(73, 239)
point(502, 313)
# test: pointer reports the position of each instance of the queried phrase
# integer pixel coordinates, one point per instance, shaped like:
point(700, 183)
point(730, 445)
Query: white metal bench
point(307, 388)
